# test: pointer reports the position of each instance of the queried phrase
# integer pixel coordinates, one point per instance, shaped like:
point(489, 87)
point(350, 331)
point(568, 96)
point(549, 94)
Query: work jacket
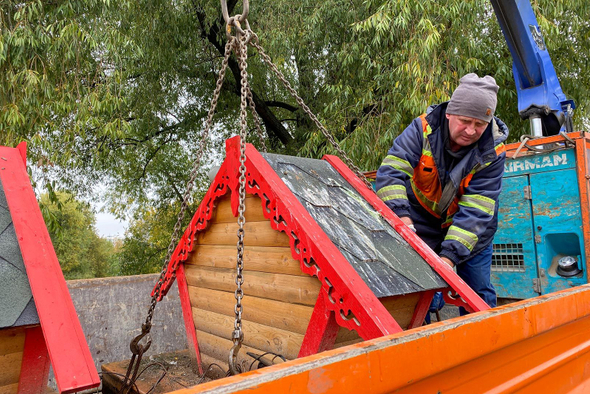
point(454, 210)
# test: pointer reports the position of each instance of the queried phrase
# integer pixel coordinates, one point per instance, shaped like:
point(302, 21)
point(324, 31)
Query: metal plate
point(515, 227)
point(558, 223)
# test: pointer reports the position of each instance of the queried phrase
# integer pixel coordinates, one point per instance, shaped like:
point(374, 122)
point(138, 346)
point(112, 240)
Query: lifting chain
point(254, 42)
point(247, 36)
point(238, 335)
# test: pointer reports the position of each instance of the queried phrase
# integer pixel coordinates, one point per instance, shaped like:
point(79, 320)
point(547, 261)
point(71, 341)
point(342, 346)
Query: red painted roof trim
point(68, 350)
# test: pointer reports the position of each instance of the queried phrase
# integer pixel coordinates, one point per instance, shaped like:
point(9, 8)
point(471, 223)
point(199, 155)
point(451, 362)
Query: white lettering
point(536, 163)
point(529, 165)
point(546, 162)
point(560, 159)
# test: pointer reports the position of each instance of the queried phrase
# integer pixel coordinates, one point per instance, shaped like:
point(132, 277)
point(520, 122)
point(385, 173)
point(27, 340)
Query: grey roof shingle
point(381, 257)
point(17, 307)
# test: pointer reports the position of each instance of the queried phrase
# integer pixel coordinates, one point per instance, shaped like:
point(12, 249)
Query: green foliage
point(146, 241)
point(407, 55)
point(55, 90)
point(80, 251)
point(117, 93)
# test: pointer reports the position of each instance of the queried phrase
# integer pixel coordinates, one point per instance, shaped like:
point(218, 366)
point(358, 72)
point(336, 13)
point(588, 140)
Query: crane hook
point(237, 337)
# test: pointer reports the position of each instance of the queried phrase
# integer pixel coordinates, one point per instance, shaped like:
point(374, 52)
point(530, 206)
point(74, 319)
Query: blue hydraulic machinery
point(540, 97)
point(543, 239)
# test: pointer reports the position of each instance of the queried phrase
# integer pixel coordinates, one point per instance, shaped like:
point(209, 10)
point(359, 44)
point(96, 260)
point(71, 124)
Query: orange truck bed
point(540, 345)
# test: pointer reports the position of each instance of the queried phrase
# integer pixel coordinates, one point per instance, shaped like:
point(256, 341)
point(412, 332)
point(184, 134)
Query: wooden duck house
point(326, 263)
point(38, 324)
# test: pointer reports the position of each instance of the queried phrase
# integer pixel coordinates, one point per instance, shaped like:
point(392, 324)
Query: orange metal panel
point(572, 137)
point(582, 172)
point(540, 345)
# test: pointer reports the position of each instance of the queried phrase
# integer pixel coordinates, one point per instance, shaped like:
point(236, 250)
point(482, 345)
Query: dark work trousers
point(476, 272)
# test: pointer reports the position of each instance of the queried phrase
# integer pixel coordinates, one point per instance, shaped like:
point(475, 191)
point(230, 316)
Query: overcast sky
point(108, 226)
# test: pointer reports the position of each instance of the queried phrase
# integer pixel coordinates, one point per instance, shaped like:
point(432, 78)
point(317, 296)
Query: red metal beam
point(473, 301)
point(71, 359)
point(322, 329)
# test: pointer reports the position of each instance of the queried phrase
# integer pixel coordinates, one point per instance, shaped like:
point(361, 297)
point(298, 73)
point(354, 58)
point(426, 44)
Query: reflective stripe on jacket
point(454, 210)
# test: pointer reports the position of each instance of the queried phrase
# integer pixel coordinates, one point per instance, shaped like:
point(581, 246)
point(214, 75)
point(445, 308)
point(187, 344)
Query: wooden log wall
point(12, 342)
point(278, 298)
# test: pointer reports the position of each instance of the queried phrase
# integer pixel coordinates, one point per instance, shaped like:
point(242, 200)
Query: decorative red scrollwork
point(452, 297)
point(199, 222)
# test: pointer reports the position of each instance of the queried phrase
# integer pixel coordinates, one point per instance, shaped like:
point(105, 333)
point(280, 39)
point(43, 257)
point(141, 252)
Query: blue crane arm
point(539, 92)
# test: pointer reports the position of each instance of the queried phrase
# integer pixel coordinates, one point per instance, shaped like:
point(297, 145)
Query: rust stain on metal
point(547, 209)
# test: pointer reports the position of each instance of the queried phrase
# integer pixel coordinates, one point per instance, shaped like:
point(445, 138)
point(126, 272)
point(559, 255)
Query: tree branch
point(136, 141)
point(281, 104)
point(272, 124)
point(151, 157)
point(369, 110)
point(176, 191)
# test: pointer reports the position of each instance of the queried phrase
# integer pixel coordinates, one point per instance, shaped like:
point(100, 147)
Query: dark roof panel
point(383, 259)
point(17, 307)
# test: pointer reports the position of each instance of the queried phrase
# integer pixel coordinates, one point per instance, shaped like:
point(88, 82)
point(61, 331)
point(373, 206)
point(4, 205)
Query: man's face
point(464, 130)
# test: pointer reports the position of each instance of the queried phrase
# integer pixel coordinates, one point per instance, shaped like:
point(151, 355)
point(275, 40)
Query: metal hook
point(135, 347)
point(237, 337)
point(242, 16)
point(137, 350)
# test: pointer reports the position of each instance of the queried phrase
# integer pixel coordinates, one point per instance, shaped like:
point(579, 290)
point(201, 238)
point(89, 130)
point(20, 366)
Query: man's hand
point(448, 261)
point(407, 220)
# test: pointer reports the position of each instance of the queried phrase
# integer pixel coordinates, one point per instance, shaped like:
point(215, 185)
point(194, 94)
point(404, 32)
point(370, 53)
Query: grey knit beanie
point(474, 97)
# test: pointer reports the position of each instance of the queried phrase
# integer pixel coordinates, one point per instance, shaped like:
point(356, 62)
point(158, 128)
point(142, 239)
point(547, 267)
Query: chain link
point(254, 42)
point(238, 335)
point(190, 185)
point(256, 119)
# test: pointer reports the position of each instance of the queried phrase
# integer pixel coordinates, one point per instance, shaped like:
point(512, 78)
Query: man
point(443, 176)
